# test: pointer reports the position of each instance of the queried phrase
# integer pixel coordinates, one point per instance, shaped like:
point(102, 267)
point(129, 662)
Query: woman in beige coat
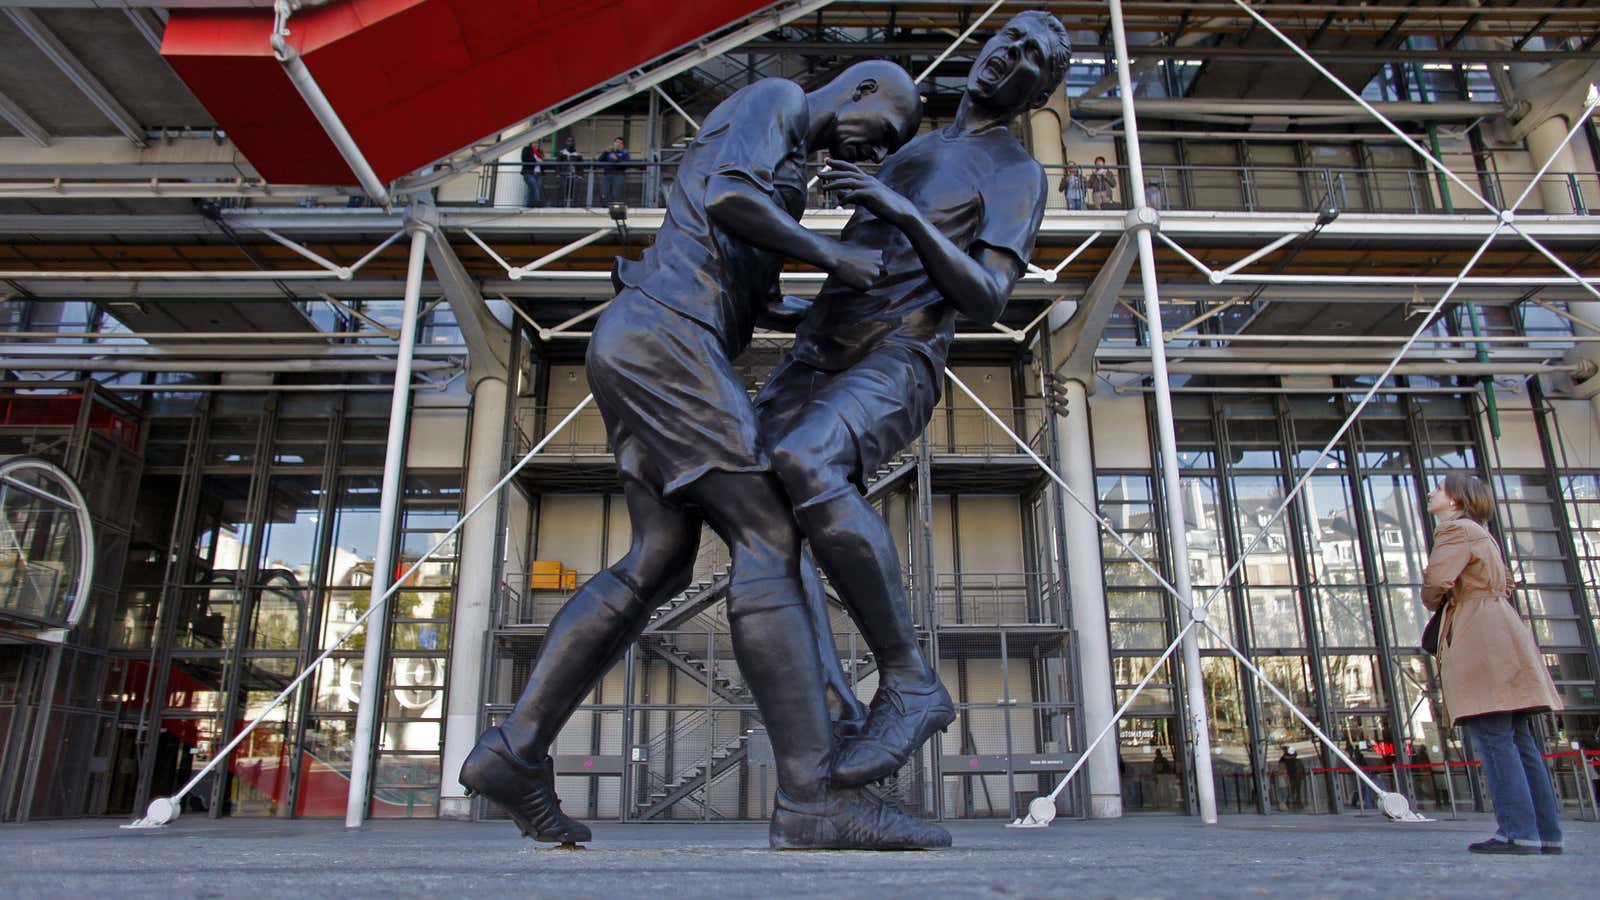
point(1495, 679)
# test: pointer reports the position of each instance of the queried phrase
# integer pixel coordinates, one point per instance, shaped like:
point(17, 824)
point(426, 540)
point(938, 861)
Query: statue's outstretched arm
point(978, 286)
point(742, 209)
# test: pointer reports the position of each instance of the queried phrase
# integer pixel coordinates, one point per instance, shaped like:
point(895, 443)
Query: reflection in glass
point(1345, 617)
point(207, 617)
point(1331, 537)
point(222, 529)
point(1255, 498)
point(260, 765)
point(232, 441)
point(1207, 556)
point(1275, 617)
point(278, 613)
point(1353, 681)
point(1230, 735)
point(1157, 695)
point(1150, 764)
point(195, 684)
point(301, 442)
point(289, 543)
point(355, 531)
point(325, 767)
point(1396, 527)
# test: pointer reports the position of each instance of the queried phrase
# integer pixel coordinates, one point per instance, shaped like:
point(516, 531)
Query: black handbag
point(1430, 631)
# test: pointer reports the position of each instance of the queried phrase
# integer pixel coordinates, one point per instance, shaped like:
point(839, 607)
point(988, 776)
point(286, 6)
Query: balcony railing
point(593, 185)
point(971, 432)
point(962, 431)
point(996, 598)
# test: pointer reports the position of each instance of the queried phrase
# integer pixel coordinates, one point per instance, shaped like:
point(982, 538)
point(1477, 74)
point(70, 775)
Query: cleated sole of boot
point(814, 834)
point(890, 764)
point(790, 843)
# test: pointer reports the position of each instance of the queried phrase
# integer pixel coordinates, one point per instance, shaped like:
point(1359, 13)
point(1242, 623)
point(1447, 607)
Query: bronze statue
point(946, 227)
point(687, 445)
point(955, 213)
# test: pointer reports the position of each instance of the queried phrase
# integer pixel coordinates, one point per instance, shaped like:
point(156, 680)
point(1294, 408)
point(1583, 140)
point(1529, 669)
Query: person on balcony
point(1072, 186)
point(1102, 182)
point(955, 214)
point(532, 173)
point(686, 440)
point(613, 164)
point(572, 187)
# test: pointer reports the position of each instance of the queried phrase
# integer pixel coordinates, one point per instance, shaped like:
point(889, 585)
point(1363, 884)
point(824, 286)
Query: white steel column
point(510, 191)
point(363, 748)
point(1143, 220)
point(1086, 590)
point(474, 592)
point(1549, 141)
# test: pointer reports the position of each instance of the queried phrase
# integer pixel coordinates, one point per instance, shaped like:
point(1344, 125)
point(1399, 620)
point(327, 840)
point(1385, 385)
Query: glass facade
point(1328, 603)
point(274, 501)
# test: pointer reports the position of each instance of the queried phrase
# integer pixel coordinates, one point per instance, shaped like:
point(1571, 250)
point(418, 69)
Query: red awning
point(415, 80)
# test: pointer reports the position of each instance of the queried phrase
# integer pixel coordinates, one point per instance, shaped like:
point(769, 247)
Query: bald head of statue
point(875, 109)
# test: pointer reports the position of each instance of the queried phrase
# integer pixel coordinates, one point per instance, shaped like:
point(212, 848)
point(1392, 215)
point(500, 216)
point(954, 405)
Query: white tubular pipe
point(1501, 281)
point(95, 364)
point(362, 749)
point(676, 108)
point(1258, 254)
point(1321, 110)
point(343, 272)
point(1200, 758)
point(959, 39)
point(519, 271)
point(1449, 367)
point(1351, 340)
point(475, 590)
point(1085, 575)
point(327, 117)
point(178, 275)
point(113, 336)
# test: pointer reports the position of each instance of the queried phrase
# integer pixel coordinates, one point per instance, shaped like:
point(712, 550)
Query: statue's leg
point(848, 712)
point(773, 635)
point(510, 765)
point(775, 645)
point(817, 459)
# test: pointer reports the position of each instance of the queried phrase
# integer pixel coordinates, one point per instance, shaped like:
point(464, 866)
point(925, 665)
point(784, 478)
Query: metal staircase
point(712, 586)
point(725, 755)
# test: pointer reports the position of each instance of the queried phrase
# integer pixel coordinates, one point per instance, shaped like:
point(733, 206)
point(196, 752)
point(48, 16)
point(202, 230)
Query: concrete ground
point(1139, 856)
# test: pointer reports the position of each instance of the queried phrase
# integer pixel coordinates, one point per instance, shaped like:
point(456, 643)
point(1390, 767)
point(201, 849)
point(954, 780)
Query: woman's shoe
point(1495, 845)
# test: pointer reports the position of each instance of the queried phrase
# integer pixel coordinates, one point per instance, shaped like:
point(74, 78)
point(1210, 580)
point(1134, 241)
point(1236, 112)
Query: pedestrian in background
point(1072, 185)
point(1102, 181)
point(572, 191)
point(1494, 677)
point(532, 158)
point(1152, 194)
point(612, 164)
point(1294, 773)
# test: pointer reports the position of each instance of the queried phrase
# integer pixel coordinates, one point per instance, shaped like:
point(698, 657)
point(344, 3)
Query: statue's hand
point(858, 267)
point(857, 188)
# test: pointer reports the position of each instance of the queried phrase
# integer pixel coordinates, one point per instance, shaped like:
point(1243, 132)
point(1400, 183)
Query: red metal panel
point(224, 58)
point(414, 80)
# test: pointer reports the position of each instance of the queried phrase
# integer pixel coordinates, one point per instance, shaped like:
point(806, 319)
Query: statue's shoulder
point(779, 91)
point(766, 99)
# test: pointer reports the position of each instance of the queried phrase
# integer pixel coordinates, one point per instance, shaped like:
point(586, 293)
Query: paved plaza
point(1138, 856)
